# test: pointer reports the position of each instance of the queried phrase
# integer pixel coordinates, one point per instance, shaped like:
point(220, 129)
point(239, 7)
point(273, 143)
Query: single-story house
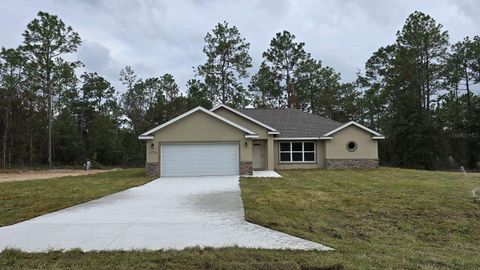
point(225, 141)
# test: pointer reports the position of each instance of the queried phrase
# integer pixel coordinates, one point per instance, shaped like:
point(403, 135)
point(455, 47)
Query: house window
point(352, 146)
point(297, 152)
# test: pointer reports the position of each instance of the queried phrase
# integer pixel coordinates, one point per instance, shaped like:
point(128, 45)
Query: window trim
point(291, 152)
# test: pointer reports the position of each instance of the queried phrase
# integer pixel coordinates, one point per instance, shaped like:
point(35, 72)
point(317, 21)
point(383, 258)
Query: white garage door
point(199, 159)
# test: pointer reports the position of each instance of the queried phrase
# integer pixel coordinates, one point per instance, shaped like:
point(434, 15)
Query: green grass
point(384, 219)
point(22, 200)
point(191, 258)
point(381, 219)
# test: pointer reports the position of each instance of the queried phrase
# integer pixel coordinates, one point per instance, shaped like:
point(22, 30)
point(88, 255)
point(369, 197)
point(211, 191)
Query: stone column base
point(152, 169)
point(246, 168)
point(352, 163)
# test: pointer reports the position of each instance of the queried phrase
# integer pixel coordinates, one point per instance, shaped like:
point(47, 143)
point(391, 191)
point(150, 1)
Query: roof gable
point(148, 134)
point(375, 134)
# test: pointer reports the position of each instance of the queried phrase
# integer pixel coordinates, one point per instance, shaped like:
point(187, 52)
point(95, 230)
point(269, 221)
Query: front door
point(258, 158)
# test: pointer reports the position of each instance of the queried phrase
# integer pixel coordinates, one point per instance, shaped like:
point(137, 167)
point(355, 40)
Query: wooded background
point(420, 92)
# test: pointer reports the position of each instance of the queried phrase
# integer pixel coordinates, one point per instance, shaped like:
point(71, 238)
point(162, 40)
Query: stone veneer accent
point(152, 168)
point(352, 163)
point(246, 168)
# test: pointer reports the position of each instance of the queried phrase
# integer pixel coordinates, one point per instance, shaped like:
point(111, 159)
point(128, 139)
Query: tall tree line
point(421, 92)
point(51, 116)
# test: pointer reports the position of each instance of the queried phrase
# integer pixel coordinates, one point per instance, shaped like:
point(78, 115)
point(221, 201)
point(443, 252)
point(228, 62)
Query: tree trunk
point(471, 160)
point(10, 157)
point(467, 85)
point(428, 90)
point(5, 131)
point(287, 84)
point(224, 94)
point(50, 110)
point(312, 103)
point(456, 105)
point(31, 147)
point(50, 126)
point(4, 141)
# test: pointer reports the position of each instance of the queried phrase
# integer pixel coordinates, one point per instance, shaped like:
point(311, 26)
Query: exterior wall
point(339, 157)
point(336, 148)
point(261, 131)
point(320, 158)
point(152, 166)
point(270, 154)
point(198, 127)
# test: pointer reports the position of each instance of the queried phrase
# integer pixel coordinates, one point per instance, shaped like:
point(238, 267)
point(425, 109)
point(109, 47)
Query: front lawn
point(386, 218)
point(24, 200)
point(381, 219)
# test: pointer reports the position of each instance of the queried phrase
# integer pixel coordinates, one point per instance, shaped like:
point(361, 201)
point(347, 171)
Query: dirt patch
point(43, 174)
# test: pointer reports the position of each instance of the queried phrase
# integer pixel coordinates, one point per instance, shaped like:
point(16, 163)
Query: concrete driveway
point(168, 213)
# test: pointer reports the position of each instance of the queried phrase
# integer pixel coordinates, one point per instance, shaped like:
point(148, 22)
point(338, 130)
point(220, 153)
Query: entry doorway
point(258, 155)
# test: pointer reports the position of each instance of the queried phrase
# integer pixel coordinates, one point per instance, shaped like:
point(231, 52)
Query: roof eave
point(296, 138)
point(145, 137)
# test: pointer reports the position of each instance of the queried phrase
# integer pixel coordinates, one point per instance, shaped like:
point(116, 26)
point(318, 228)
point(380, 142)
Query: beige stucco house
point(224, 141)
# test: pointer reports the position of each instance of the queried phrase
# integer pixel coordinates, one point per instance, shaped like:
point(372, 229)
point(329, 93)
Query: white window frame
point(291, 152)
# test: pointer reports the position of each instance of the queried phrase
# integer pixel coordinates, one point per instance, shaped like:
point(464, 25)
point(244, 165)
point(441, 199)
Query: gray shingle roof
point(292, 122)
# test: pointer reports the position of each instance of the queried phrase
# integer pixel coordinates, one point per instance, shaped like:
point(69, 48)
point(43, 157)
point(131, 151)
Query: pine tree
point(283, 58)
point(46, 40)
point(227, 63)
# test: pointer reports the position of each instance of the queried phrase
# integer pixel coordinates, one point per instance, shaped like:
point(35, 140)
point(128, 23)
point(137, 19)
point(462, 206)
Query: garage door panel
point(199, 159)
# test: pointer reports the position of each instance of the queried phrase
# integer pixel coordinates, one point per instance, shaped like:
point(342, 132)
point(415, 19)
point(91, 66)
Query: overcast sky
point(157, 37)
